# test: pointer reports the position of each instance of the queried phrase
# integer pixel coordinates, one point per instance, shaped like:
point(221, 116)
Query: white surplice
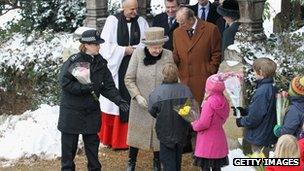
point(114, 54)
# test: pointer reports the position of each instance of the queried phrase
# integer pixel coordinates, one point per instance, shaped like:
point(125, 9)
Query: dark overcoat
point(228, 35)
point(161, 20)
point(212, 17)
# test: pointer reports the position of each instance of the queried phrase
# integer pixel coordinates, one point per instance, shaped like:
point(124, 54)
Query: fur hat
point(215, 83)
point(296, 87)
point(229, 8)
point(91, 36)
point(155, 36)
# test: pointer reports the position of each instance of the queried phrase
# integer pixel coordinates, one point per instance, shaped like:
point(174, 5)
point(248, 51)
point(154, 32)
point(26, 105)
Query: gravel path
point(111, 160)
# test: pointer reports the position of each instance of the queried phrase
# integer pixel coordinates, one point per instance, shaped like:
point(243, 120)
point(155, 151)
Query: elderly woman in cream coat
point(143, 75)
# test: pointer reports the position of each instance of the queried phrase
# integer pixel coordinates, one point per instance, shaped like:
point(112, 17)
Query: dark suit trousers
point(171, 158)
point(69, 144)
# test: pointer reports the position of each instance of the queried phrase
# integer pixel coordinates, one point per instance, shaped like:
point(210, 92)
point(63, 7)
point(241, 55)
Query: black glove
point(124, 111)
point(242, 111)
point(238, 122)
point(124, 106)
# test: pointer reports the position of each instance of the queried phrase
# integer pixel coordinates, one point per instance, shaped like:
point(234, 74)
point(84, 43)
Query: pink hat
point(215, 83)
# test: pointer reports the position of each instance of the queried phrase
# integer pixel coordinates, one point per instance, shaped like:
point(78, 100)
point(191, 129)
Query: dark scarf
point(149, 59)
point(122, 31)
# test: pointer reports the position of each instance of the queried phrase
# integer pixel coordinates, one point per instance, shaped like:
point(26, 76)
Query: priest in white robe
point(122, 33)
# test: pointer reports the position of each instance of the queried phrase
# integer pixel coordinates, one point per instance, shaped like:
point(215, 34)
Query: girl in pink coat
point(211, 148)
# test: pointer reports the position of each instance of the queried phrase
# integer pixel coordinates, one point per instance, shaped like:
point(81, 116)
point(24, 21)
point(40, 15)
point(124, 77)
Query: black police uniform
point(80, 112)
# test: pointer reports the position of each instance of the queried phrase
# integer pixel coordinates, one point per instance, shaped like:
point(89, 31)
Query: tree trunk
point(297, 14)
point(282, 20)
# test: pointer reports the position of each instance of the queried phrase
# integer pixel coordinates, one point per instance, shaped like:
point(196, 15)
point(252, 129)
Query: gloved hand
point(277, 130)
point(141, 101)
point(124, 106)
point(124, 111)
point(238, 122)
point(242, 111)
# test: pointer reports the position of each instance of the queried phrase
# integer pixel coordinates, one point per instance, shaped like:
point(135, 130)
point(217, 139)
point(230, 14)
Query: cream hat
point(155, 36)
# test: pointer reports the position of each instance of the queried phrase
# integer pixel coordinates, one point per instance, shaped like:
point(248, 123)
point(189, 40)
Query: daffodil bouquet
point(189, 110)
point(258, 155)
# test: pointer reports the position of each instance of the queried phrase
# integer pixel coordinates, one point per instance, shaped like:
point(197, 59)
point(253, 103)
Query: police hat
point(91, 36)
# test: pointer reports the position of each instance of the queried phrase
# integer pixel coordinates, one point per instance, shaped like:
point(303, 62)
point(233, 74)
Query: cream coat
point(141, 79)
point(114, 54)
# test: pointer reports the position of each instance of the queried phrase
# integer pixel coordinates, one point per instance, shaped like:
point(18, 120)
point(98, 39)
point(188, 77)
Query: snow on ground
point(9, 16)
point(35, 133)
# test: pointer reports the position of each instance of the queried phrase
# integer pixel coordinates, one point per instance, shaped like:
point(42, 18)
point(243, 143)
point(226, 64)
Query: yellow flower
point(257, 155)
point(184, 111)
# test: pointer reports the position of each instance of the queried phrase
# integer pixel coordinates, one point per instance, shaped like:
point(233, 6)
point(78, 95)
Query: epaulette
point(74, 57)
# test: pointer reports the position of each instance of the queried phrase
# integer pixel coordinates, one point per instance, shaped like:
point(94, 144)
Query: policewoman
point(79, 105)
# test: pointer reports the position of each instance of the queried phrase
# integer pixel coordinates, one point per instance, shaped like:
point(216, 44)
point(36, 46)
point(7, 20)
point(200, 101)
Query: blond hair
point(265, 67)
point(82, 48)
point(287, 147)
point(170, 73)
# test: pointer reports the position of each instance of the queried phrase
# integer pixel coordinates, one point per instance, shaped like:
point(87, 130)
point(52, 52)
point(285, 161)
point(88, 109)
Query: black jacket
point(228, 36)
point(213, 16)
point(161, 20)
point(171, 128)
point(79, 111)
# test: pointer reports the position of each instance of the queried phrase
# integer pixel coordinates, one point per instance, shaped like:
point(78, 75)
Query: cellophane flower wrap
point(282, 104)
point(81, 71)
point(189, 110)
point(233, 87)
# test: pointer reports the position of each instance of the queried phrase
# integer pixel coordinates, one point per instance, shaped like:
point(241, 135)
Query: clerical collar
point(206, 6)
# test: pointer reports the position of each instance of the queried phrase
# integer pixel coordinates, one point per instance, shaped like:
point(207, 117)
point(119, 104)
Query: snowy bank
point(34, 133)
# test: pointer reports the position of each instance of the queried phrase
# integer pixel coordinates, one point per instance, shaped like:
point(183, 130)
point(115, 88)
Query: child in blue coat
point(294, 117)
point(260, 116)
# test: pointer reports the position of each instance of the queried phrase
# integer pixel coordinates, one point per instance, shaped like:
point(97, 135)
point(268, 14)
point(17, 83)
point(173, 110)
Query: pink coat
point(211, 140)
